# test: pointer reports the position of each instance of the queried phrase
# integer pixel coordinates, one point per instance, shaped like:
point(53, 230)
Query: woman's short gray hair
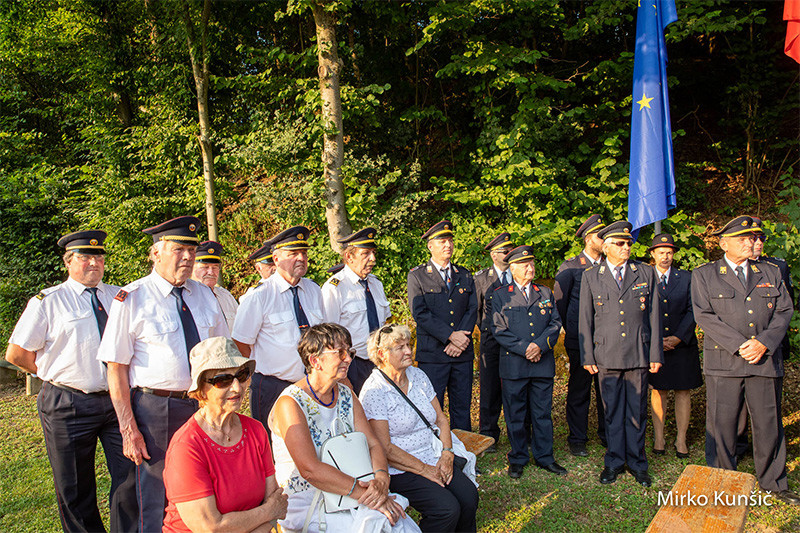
point(385, 337)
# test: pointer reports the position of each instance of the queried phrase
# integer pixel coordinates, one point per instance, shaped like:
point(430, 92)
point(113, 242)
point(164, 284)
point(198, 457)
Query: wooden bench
point(705, 499)
point(474, 442)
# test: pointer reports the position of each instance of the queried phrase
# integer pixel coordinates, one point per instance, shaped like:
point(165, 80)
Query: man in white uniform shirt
point(153, 324)
point(354, 298)
point(270, 321)
point(264, 265)
point(207, 269)
point(57, 338)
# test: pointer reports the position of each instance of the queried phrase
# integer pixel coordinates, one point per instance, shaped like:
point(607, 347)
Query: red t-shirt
point(197, 467)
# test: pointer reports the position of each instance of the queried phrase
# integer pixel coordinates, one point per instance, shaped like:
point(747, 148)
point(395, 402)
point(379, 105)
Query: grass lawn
point(539, 501)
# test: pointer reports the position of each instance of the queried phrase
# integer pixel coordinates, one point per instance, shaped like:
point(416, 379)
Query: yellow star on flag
point(644, 102)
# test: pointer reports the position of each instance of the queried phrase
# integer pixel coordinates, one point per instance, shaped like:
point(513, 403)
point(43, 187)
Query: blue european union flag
point(651, 192)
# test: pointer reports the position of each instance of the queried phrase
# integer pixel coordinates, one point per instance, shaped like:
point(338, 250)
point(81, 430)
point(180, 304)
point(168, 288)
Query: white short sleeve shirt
point(144, 331)
point(59, 325)
point(266, 321)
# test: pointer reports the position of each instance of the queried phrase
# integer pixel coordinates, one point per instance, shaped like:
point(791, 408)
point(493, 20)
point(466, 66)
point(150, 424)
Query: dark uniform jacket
point(616, 324)
point(439, 312)
point(516, 323)
point(676, 307)
point(730, 314)
point(486, 281)
point(567, 291)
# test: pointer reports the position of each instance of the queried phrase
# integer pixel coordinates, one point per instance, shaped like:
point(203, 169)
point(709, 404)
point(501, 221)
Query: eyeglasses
point(761, 238)
point(222, 381)
point(343, 352)
point(620, 244)
point(385, 329)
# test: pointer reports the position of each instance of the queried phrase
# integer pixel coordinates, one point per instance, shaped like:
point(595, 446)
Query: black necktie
point(525, 293)
point(664, 281)
point(190, 334)
point(618, 276)
point(505, 278)
point(740, 275)
point(299, 314)
point(99, 312)
point(446, 275)
point(372, 312)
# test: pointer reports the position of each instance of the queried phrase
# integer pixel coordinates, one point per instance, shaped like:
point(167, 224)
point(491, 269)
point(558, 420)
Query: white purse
point(349, 453)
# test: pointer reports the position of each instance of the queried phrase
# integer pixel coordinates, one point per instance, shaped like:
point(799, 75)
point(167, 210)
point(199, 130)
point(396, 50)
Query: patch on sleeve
point(40, 296)
point(583, 260)
point(121, 295)
point(334, 281)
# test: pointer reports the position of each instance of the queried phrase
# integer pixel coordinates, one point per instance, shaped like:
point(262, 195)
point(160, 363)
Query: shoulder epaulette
point(480, 272)
point(40, 296)
point(416, 268)
point(535, 287)
point(334, 281)
point(121, 295)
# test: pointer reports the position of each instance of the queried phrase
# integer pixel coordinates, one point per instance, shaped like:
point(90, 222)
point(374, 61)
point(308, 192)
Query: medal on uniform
point(461, 291)
point(641, 299)
point(543, 311)
point(769, 304)
point(642, 307)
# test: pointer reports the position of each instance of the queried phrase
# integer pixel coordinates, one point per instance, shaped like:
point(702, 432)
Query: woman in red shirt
point(218, 471)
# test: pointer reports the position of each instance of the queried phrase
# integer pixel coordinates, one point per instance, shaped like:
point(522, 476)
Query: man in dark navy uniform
point(619, 328)
point(486, 281)
point(567, 292)
point(526, 324)
point(443, 303)
point(744, 309)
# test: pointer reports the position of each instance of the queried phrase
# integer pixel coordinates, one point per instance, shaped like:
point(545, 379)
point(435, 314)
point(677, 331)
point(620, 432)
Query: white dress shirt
point(733, 266)
point(621, 269)
point(60, 327)
point(144, 331)
point(345, 302)
point(228, 304)
point(665, 273)
point(266, 321)
point(443, 270)
point(249, 291)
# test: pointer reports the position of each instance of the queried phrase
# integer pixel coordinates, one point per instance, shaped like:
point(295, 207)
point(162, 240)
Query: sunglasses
point(620, 244)
point(343, 352)
point(222, 381)
point(761, 238)
point(385, 329)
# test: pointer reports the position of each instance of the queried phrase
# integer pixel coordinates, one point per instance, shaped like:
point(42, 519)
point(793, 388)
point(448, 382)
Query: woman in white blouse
point(420, 464)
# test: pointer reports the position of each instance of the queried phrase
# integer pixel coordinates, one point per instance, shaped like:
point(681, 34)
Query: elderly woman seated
point(218, 470)
point(421, 465)
point(309, 412)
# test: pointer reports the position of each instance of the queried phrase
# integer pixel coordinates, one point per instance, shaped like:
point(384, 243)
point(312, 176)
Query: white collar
point(621, 267)
point(165, 287)
point(592, 261)
point(500, 272)
point(440, 267)
point(78, 288)
point(733, 265)
point(667, 273)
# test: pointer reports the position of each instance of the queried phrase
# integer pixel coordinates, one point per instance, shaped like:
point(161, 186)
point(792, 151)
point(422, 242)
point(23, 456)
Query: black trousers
point(624, 394)
point(72, 422)
point(264, 392)
point(579, 399)
point(358, 372)
point(456, 378)
point(158, 419)
point(528, 404)
point(762, 396)
point(491, 399)
point(443, 509)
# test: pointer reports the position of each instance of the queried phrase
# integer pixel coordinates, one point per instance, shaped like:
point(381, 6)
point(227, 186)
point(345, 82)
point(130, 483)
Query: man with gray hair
point(354, 298)
point(153, 324)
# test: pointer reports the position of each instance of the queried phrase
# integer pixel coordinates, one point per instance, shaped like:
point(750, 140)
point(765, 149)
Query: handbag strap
point(416, 409)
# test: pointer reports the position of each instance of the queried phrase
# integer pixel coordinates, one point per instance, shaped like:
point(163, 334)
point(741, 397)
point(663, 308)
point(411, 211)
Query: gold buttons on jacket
point(450, 300)
point(623, 333)
point(622, 323)
point(751, 325)
point(666, 314)
point(622, 312)
point(748, 298)
point(750, 311)
point(620, 300)
point(666, 329)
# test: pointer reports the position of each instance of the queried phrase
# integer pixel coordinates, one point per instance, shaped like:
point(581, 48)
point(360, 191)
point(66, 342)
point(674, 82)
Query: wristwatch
point(448, 450)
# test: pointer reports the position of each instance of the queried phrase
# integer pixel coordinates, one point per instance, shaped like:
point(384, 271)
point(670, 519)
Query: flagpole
point(657, 227)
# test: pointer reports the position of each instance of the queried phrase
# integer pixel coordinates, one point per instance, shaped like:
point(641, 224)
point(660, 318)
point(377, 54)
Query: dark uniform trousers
point(567, 292)
point(438, 311)
point(527, 385)
point(264, 392)
point(158, 419)
point(358, 372)
point(620, 332)
point(491, 400)
point(72, 422)
point(730, 314)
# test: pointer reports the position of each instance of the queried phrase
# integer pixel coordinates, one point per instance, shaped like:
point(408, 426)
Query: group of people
point(158, 369)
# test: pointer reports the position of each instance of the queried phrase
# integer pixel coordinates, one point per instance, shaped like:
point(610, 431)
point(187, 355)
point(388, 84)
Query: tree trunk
point(199, 60)
point(333, 144)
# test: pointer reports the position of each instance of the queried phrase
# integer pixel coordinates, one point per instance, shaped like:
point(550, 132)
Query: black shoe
point(681, 455)
point(578, 449)
point(656, 451)
point(788, 497)
point(515, 471)
point(554, 468)
point(641, 477)
point(491, 449)
point(609, 475)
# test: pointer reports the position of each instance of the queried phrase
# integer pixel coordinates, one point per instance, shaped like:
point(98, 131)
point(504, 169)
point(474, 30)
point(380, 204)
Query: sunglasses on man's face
point(620, 244)
point(761, 238)
point(222, 381)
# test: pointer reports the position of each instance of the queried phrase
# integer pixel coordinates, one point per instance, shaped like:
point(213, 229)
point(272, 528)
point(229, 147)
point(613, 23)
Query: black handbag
point(458, 461)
